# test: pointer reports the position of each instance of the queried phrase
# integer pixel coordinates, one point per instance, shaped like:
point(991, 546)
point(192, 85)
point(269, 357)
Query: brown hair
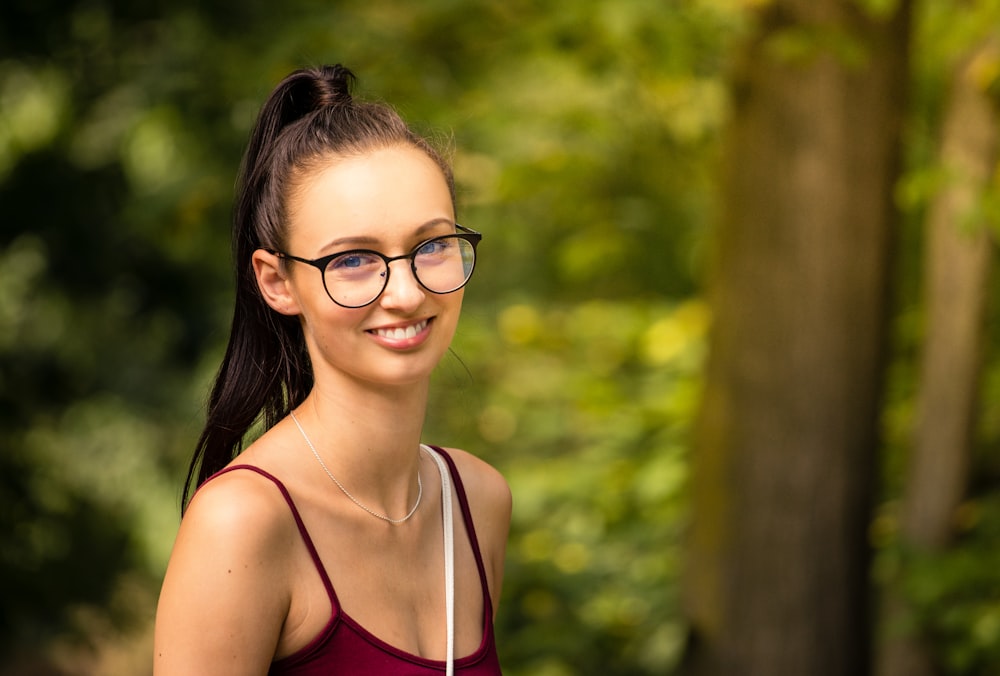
point(265, 372)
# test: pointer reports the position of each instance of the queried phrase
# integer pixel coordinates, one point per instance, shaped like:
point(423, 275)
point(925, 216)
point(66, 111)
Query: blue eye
point(435, 246)
point(355, 262)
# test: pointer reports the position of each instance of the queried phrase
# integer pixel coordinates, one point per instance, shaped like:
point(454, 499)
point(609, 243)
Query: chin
point(400, 372)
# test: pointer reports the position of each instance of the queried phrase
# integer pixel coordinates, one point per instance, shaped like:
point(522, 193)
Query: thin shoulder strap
point(298, 523)
point(463, 502)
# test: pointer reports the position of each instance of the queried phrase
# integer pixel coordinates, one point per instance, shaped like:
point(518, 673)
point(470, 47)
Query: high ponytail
point(266, 371)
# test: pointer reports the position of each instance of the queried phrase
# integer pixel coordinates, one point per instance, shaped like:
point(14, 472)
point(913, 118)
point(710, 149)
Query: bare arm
point(226, 593)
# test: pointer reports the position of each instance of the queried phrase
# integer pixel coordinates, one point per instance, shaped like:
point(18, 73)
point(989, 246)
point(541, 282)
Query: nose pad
point(402, 289)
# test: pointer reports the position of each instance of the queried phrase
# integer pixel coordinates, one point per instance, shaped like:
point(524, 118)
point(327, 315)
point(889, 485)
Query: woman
point(322, 547)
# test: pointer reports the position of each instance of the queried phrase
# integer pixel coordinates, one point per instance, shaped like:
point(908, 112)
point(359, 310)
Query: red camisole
point(346, 648)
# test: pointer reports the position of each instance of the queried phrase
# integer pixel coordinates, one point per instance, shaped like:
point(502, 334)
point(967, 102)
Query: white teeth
point(401, 333)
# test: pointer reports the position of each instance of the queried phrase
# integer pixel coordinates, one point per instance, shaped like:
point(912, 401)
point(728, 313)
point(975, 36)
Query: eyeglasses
point(357, 278)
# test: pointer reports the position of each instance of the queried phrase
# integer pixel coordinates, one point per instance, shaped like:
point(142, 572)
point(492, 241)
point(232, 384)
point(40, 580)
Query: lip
point(403, 335)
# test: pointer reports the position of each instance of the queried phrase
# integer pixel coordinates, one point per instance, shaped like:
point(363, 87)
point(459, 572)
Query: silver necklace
point(420, 485)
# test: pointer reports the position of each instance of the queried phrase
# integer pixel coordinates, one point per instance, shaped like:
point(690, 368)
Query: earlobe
point(273, 282)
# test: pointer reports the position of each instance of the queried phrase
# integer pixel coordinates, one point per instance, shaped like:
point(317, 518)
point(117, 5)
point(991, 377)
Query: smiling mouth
point(401, 333)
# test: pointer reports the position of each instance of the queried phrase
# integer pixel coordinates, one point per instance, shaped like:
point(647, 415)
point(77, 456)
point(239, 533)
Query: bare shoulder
point(490, 502)
point(226, 589)
point(241, 506)
point(237, 526)
point(238, 492)
point(484, 485)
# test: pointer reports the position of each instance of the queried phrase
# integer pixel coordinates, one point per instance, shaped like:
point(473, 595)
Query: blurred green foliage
point(585, 407)
point(954, 594)
point(957, 595)
point(584, 137)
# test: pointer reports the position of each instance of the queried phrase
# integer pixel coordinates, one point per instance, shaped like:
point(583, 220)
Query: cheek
point(455, 309)
point(459, 296)
point(306, 285)
point(326, 324)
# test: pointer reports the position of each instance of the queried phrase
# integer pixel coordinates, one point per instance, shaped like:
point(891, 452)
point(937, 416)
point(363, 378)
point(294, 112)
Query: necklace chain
point(420, 485)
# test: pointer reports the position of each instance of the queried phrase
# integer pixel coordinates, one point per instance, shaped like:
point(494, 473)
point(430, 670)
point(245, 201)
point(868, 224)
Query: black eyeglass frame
point(468, 234)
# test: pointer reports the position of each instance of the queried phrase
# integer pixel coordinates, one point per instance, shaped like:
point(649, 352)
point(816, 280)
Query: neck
point(369, 439)
point(379, 420)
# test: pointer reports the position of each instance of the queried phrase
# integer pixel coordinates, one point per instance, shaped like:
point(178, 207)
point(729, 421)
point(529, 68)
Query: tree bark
point(958, 257)
point(783, 471)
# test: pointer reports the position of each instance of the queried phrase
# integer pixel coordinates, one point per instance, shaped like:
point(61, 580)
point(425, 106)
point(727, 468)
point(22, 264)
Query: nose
point(402, 290)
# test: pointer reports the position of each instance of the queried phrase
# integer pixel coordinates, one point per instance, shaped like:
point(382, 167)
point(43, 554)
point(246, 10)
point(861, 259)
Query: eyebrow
point(366, 240)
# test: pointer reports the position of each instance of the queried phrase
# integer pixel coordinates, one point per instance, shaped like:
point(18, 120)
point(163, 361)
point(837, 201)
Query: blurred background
point(669, 251)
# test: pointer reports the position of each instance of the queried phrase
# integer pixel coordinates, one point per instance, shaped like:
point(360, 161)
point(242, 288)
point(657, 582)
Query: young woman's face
point(389, 201)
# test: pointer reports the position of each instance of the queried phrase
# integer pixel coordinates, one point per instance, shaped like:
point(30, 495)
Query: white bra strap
point(449, 558)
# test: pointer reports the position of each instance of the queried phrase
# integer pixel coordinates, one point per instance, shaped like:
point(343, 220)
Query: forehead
point(378, 195)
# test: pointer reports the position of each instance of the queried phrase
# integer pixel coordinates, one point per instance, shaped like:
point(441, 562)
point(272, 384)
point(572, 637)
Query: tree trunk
point(777, 576)
point(957, 269)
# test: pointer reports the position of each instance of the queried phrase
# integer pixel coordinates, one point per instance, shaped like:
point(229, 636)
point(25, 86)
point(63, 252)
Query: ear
point(274, 283)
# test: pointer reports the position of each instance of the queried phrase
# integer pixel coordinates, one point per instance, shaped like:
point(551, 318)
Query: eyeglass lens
point(441, 265)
